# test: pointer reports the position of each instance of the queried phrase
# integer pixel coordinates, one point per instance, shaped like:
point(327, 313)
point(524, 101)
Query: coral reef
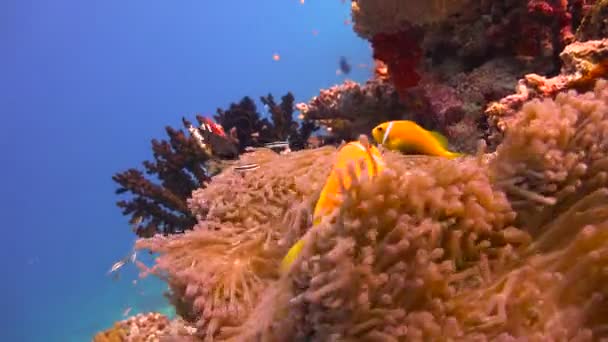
point(503, 246)
point(373, 17)
point(432, 48)
point(476, 27)
point(450, 101)
point(150, 327)
point(509, 243)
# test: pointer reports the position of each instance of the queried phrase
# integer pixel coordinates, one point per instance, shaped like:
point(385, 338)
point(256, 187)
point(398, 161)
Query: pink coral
point(148, 327)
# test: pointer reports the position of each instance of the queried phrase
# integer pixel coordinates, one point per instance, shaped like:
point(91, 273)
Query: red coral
point(558, 12)
point(541, 7)
point(536, 27)
point(401, 53)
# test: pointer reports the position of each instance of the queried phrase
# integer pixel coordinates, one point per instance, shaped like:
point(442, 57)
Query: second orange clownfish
point(408, 137)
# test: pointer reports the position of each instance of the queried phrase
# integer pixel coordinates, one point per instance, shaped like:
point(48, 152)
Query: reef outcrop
point(350, 109)
point(504, 246)
point(507, 243)
point(451, 61)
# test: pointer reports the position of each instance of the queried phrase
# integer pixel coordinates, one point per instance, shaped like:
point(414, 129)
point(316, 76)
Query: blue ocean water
point(84, 87)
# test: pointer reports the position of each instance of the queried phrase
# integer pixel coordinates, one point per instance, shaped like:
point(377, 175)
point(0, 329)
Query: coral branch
point(179, 165)
point(251, 130)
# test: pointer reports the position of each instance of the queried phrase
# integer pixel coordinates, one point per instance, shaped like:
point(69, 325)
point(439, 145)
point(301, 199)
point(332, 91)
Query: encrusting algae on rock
point(506, 246)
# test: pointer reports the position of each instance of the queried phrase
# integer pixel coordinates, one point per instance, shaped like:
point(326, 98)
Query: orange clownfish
point(408, 137)
point(331, 196)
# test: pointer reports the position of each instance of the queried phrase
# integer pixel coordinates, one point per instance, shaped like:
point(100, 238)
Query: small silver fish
point(277, 144)
point(131, 257)
point(117, 265)
point(246, 167)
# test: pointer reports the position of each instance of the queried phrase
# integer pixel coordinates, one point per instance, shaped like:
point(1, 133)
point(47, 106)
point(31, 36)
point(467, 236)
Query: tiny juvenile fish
point(277, 145)
point(338, 179)
point(117, 265)
point(246, 167)
point(408, 137)
point(131, 257)
point(344, 66)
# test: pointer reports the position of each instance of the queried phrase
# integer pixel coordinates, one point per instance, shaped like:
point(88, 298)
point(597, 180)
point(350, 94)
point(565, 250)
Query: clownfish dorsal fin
point(443, 141)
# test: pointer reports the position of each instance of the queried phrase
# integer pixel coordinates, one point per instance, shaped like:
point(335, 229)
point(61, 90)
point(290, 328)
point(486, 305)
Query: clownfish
point(408, 137)
point(338, 180)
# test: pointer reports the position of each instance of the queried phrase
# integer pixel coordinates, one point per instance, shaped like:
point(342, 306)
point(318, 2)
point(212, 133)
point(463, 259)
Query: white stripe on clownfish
point(388, 130)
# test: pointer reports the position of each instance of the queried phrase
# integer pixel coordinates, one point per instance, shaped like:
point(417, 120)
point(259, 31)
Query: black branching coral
point(180, 165)
point(285, 127)
point(250, 129)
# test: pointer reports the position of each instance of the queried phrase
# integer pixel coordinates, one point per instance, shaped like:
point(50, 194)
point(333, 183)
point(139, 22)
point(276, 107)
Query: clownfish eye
point(380, 129)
